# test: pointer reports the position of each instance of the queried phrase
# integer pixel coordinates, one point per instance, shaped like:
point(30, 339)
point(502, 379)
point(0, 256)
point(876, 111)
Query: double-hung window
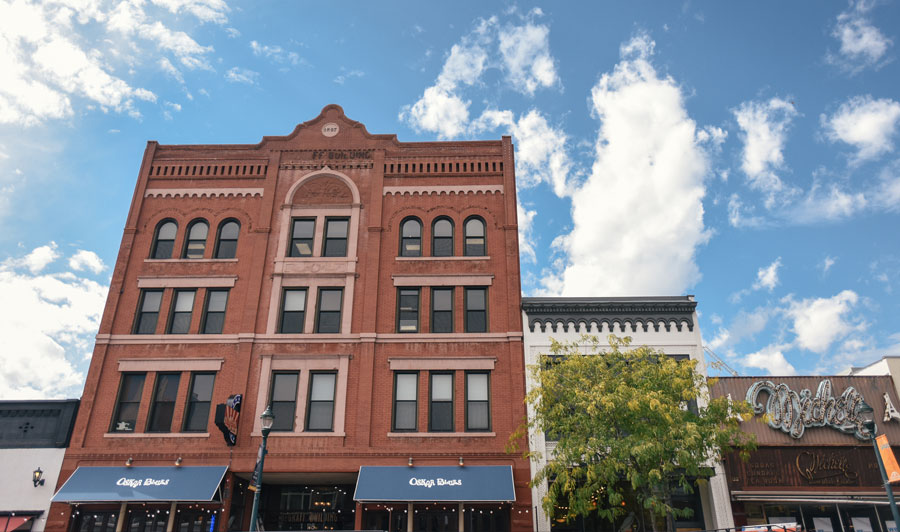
point(441, 310)
point(148, 312)
point(284, 399)
point(195, 243)
point(335, 242)
point(293, 310)
point(440, 407)
point(328, 318)
point(182, 309)
point(199, 400)
point(226, 244)
point(407, 310)
point(214, 314)
point(474, 238)
point(164, 240)
point(411, 238)
point(303, 233)
point(162, 408)
point(128, 403)
point(442, 238)
point(406, 390)
point(320, 410)
point(478, 403)
point(476, 310)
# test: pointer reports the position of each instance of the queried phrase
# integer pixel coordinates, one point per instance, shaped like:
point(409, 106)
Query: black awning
point(144, 484)
point(435, 484)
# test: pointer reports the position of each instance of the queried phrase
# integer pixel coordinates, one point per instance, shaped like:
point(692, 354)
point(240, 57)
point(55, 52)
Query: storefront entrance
point(823, 517)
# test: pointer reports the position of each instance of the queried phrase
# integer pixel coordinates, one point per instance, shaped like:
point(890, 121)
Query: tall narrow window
point(196, 415)
point(478, 402)
point(411, 238)
point(195, 243)
point(303, 232)
point(320, 411)
point(335, 244)
point(284, 399)
point(293, 310)
point(442, 238)
point(476, 309)
point(129, 402)
point(406, 386)
point(226, 244)
point(164, 240)
point(442, 310)
point(148, 312)
point(214, 314)
point(328, 319)
point(407, 310)
point(162, 408)
point(440, 409)
point(182, 309)
point(475, 241)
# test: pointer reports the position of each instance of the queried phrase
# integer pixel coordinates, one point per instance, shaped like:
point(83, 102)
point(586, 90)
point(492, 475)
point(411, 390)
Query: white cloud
point(344, 76)
point(241, 75)
point(86, 260)
point(170, 69)
point(35, 261)
point(862, 44)
point(832, 204)
point(48, 331)
point(205, 10)
point(771, 359)
point(744, 325)
point(867, 124)
point(767, 277)
point(526, 57)
point(819, 322)
point(525, 218)
point(764, 127)
point(275, 53)
point(638, 217)
point(827, 263)
point(740, 215)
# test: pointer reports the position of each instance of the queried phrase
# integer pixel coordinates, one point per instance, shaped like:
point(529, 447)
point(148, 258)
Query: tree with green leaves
point(632, 426)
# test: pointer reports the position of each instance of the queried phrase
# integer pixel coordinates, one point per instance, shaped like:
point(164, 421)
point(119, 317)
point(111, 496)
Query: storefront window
point(295, 507)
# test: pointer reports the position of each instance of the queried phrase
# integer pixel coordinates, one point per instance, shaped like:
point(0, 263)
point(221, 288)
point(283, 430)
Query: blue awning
point(435, 484)
point(141, 484)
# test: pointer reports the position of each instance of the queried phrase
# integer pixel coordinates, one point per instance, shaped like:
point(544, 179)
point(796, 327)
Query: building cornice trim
point(202, 192)
point(643, 312)
point(443, 189)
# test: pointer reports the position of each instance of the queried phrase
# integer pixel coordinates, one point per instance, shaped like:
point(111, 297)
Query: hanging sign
point(227, 416)
point(891, 469)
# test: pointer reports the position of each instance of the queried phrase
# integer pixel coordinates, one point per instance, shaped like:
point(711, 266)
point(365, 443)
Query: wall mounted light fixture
point(409, 462)
point(37, 477)
point(129, 462)
point(178, 462)
point(461, 461)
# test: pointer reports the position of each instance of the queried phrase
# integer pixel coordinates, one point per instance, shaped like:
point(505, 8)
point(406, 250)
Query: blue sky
point(745, 153)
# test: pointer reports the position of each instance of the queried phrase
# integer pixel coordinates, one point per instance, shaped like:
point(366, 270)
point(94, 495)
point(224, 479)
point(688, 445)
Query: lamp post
point(267, 419)
point(867, 413)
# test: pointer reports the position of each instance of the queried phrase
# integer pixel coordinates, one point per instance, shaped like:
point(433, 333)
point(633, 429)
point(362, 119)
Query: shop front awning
point(142, 484)
point(435, 484)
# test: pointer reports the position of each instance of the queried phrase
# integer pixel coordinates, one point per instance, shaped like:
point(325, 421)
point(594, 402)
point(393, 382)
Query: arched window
point(195, 243)
point(442, 238)
point(164, 240)
point(226, 243)
point(411, 238)
point(475, 241)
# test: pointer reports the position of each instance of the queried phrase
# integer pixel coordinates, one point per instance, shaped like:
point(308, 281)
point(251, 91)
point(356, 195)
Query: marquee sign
point(792, 412)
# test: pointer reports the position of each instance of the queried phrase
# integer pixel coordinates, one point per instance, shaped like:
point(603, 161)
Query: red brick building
point(368, 289)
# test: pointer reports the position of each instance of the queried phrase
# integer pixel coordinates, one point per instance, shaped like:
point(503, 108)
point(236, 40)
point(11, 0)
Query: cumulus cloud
point(744, 325)
point(819, 322)
point(638, 217)
point(526, 56)
point(525, 218)
point(767, 277)
point(867, 124)
point(764, 126)
point(741, 215)
point(771, 359)
point(862, 44)
point(275, 53)
point(827, 263)
point(49, 331)
point(86, 260)
point(241, 75)
point(826, 203)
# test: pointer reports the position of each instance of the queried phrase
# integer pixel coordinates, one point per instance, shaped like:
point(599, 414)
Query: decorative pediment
point(323, 190)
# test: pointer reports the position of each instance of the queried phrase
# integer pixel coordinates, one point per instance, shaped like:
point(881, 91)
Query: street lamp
point(867, 414)
point(267, 419)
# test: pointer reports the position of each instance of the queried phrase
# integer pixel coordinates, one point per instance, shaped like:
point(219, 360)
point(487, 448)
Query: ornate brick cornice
point(630, 312)
point(443, 189)
point(201, 192)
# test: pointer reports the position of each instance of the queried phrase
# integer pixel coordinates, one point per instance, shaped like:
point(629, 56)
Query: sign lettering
point(136, 482)
point(431, 482)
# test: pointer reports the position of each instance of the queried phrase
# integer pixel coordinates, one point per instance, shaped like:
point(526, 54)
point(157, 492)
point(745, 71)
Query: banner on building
point(254, 478)
point(887, 458)
point(227, 416)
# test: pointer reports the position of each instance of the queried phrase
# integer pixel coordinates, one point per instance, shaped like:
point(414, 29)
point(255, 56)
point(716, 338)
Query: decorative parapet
point(202, 192)
point(444, 189)
point(626, 312)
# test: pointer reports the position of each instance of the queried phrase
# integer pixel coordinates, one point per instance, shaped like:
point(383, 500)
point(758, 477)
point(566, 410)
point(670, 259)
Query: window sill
point(455, 257)
point(190, 260)
point(441, 434)
point(156, 435)
point(286, 434)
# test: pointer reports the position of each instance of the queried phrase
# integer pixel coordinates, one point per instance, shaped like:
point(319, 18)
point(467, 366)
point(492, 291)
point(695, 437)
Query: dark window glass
point(226, 246)
point(163, 406)
point(478, 403)
point(164, 242)
point(182, 309)
point(440, 415)
point(214, 315)
point(328, 319)
point(130, 390)
point(302, 234)
point(474, 237)
point(476, 309)
point(320, 411)
point(442, 238)
point(195, 244)
point(284, 399)
point(411, 238)
point(293, 310)
point(406, 387)
point(199, 400)
point(148, 312)
point(408, 310)
point(442, 310)
point(336, 237)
